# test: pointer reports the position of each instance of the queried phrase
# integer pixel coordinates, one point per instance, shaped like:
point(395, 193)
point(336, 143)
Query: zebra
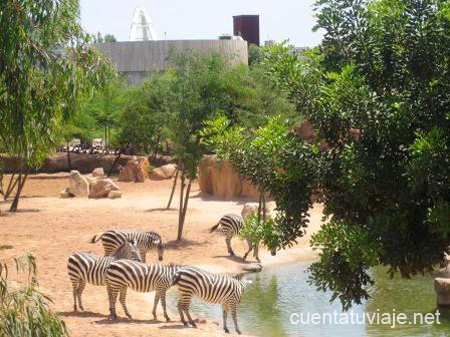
point(145, 241)
point(230, 226)
point(87, 268)
point(140, 277)
point(211, 288)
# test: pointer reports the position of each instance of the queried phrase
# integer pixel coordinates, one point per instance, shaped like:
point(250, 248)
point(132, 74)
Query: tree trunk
point(20, 186)
point(186, 200)
point(180, 211)
point(173, 188)
point(155, 151)
point(10, 187)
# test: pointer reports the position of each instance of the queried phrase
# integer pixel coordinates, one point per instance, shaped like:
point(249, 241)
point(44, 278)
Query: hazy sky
point(204, 19)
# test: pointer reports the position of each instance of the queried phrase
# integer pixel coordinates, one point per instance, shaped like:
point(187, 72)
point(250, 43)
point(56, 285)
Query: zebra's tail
point(213, 228)
point(95, 239)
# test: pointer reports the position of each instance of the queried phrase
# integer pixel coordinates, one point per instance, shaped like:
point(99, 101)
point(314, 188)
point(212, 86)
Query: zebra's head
point(160, 247)
point(128, 250)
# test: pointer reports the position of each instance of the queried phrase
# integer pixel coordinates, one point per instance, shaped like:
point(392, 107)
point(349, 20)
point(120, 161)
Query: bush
point(24, 310)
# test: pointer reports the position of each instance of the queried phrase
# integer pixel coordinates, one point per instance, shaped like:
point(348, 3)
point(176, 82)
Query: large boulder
point(79, 186)
point(219, 178)
point(442, 288)
point(135, 170)
point(163, 172)
point(102, 187)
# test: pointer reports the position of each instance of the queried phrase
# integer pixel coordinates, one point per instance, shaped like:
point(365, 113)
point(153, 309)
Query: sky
point(204, 19)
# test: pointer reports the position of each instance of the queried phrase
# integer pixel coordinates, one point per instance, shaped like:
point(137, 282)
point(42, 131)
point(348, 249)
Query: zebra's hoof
point(194, 325)
point(238, 332)
point(226, 330)
point(155, 318)
point(113, 317)
point(185, 323)
point(168, 319)
point(129, 317)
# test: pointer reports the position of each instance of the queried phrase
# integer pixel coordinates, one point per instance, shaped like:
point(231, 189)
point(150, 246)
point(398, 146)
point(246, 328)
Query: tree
point(45, 66)
point(377, 93)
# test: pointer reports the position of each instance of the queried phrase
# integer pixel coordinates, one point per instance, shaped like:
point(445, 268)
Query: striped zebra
point(87, 268)
point(211, 288)
point(146, 241)
point(230, 226)
point(140, 277)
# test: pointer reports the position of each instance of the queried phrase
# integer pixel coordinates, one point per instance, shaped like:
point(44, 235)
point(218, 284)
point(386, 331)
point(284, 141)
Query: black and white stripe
point(87, 268)
point(213, 288)
point(230, 225)
point(140, 277)
point(146, 241)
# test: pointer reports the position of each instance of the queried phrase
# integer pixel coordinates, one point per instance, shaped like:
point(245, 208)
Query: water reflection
point(277, 293)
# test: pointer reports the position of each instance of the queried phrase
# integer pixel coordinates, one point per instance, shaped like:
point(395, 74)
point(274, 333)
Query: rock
point(442, 288)
point(64, 194)
point(252, 267)
point(91, 180)
point(101, 188)
point(219, 178)
point(79, 185)
point(115, 194)
point(163, 172)
point(135, 170)
point(98, 172)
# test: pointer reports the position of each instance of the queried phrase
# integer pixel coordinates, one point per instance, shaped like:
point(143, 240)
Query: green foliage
point(265, 231)
point(45, 67)
point(377, 93)
point(24, 309)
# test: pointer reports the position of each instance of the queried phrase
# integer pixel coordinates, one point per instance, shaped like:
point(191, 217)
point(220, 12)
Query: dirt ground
point(53, 228)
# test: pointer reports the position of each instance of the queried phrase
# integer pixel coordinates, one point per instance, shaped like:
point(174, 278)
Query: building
point(136, 59)
point(247, 26)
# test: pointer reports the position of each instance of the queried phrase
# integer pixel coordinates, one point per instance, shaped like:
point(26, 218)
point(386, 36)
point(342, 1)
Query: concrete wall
point(136, 58)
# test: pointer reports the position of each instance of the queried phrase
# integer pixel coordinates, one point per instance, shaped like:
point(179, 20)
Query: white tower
point(142, 28)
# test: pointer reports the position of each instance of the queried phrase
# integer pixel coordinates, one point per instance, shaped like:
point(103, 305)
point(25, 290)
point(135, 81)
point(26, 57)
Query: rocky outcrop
point(93, 186)
point(136, 170)
point(219, 178)
point(79, 186)
point(100, 188)
point(164, 172)
point(442, 288)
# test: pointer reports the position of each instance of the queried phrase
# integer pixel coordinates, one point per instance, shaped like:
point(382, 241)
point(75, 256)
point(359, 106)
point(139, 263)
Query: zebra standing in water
point(140, 277)
point(146, 241)
point(87, 268)
point(211, 288)
point(230, 226)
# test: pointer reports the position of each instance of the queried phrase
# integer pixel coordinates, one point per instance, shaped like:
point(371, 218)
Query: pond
point(276, 293)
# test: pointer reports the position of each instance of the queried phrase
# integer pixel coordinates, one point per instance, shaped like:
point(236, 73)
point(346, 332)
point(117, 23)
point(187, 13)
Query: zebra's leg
point(112, 295)
point(186, 303)
point(250, 247)
point(123, 300)
point(257, 252)
point(74, 292)
point(224, 315)
point(155, 305)
point(180, 311)
point(81, 286)
point(234, 315)
point(163, 302)
point(230, 250)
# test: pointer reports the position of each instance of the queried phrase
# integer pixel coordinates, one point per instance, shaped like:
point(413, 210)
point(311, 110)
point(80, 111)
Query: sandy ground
point(53, 228)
